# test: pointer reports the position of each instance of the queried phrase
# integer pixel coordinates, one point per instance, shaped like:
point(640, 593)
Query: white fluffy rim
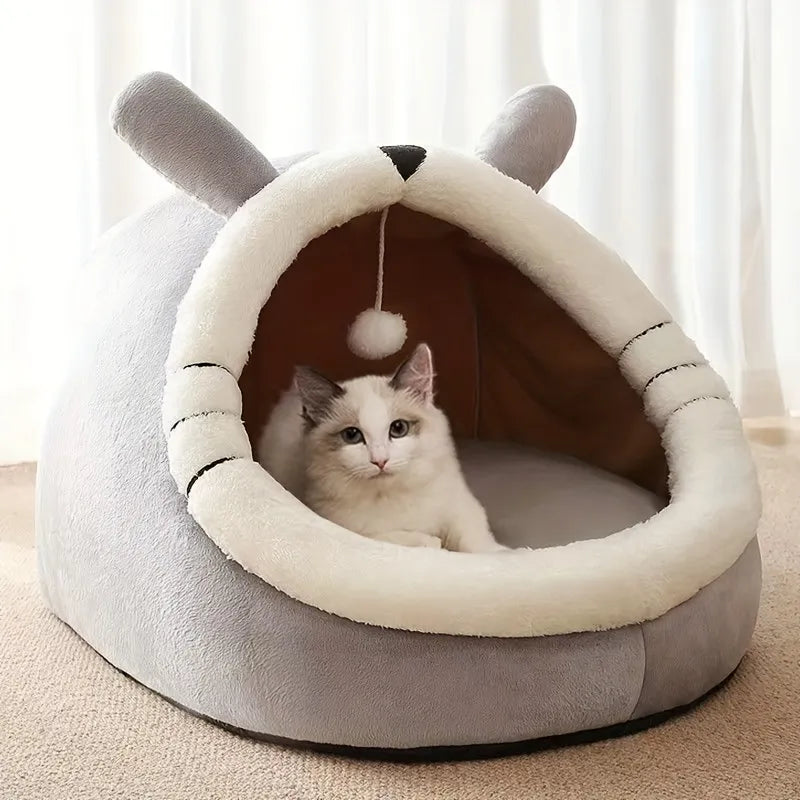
point(633, 575)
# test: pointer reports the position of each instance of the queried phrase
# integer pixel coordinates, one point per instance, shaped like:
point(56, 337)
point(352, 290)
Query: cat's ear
point(416, 374)
point(316, 392)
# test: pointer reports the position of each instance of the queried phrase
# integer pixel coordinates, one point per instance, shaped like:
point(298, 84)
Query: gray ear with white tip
point(531, 135)
point(189, 143)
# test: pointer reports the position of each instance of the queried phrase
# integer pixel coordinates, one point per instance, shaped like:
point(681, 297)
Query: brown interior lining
point(511, 364)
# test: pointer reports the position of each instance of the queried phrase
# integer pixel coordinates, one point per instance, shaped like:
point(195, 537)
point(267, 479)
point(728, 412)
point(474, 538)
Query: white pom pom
point(376, 334)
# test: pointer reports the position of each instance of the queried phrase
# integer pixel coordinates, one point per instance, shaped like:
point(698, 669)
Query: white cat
point(375, 455)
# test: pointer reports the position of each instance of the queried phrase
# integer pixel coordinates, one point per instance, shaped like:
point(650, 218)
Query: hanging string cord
point(381, 251)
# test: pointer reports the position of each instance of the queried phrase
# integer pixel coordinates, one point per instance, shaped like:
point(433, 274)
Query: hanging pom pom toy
point(376, 333)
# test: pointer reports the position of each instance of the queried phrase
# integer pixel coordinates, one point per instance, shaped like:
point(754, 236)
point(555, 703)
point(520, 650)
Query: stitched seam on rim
point(643, 333)
point(696, 400)
point(198, 414)
point(688, 364)
point(202, 364)
point(208, 468)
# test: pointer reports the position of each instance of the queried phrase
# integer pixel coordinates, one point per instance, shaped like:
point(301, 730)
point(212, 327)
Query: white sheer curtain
point(685, 161)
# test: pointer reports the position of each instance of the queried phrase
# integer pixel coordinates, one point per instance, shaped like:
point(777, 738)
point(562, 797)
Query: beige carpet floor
point(71, 727)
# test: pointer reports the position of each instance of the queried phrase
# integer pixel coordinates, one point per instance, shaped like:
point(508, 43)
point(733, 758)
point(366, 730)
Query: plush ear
point(189, 143)
point(316, 393)
point(531, 135)
point(416, 374)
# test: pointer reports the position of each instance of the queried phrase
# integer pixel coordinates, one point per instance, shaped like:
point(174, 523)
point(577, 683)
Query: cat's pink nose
point(380, 463)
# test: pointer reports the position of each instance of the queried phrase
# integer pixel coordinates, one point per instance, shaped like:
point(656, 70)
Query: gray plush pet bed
point(600, 441)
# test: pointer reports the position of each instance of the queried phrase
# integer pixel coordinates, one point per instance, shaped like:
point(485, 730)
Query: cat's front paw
point(426, 540)
point(483, 544)
point(412, 539)
point(494, 547)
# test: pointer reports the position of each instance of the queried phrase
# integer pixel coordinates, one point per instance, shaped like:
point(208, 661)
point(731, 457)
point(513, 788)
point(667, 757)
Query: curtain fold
point(685, 161)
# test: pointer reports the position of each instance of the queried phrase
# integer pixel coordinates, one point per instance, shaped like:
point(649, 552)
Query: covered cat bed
point(598, 438)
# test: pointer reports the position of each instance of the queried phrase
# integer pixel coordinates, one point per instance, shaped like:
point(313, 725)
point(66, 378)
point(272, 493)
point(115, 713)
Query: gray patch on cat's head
point(317, 393)
point(415, 374)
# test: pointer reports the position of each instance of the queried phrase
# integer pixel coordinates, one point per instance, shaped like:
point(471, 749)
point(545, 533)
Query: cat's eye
point(352, 436)
point(398, 429)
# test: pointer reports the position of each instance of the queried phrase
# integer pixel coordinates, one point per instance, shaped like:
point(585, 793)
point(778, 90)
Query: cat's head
point(375, 427)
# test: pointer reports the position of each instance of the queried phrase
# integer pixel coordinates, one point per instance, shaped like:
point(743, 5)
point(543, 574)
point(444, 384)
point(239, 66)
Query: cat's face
point(373, 428)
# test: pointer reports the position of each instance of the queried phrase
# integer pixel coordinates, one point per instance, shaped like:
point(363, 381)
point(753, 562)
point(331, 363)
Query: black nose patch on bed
point(405, 157)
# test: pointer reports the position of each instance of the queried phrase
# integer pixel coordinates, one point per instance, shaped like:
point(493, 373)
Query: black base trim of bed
point(459, 752)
